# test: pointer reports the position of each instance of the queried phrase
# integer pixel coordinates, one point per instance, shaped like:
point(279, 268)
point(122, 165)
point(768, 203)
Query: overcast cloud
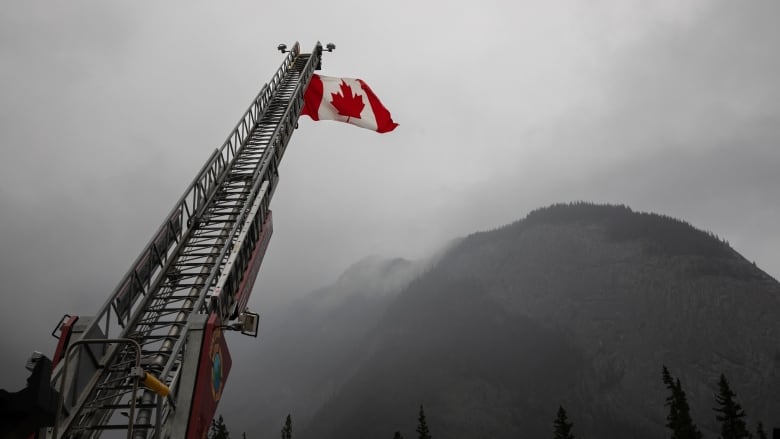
point(109, 109)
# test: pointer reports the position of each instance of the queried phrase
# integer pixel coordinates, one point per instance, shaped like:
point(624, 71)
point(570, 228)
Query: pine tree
point(422, 426)
point(732, 426)
point(672, 419)
point(287, 429)
point(219, 429)
point(562, 425)
point(398, 435)
point(679, 417)
point(760, 433)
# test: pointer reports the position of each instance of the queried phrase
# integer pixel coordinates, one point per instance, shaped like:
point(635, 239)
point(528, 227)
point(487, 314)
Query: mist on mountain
point(577, 305)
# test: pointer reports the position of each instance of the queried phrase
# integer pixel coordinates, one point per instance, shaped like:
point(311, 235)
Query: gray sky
point(109, 109)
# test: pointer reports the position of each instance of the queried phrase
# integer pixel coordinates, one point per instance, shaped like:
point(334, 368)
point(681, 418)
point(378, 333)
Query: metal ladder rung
point(117, 427)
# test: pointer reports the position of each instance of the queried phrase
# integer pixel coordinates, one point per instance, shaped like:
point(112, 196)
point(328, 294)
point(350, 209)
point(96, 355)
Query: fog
point(109, 109)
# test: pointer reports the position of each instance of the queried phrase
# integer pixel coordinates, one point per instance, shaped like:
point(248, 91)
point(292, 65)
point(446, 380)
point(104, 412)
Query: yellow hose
point(156, 385)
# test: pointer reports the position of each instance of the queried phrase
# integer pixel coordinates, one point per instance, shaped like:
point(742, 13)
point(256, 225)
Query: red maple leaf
point(348, 104)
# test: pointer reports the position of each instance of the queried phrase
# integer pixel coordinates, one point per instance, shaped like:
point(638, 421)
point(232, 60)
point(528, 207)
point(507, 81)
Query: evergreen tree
point(422, 426)
point(679, 417)
point(562, 425)
point(760, 433)
point(219, 429)
point(287, 429)
point(730, 413)
point(398, 435)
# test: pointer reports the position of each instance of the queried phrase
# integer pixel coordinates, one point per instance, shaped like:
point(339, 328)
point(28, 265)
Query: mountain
point(308, 349)
point(576, 305)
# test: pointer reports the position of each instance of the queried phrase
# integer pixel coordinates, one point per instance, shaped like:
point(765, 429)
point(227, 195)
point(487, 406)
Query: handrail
point(190, 204)
point(87, 341)
point(279, 138)
point(130, 297)
point(185, 212)
point(262, 170)
point(199, 190)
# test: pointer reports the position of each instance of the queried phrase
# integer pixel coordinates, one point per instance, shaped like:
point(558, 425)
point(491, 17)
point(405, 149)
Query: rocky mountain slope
point(578, 305)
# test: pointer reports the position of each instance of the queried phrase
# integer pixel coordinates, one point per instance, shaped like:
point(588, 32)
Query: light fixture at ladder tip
point(318, 49)
point(330, 47)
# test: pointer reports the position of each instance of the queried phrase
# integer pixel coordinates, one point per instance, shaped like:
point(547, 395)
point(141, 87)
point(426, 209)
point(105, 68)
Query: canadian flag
point(345, 99)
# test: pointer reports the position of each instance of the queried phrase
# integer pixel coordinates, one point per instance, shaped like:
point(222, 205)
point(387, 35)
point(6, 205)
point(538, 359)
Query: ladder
point(200, 262)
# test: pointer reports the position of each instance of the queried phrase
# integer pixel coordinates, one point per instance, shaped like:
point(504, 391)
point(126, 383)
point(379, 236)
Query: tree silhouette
point(219, 429)
point(732, 426)
point(562, 425)
point(398, 435)
point(422, 425)
point(679, 417)
point(760, 433)
point(287, 429)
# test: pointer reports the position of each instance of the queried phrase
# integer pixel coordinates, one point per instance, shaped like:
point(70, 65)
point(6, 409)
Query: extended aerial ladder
point(153, 361)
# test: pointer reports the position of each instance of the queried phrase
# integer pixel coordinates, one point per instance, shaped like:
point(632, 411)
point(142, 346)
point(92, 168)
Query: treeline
point(729, 414)
point(423, 432)
point(219, 429)
point(662, 233)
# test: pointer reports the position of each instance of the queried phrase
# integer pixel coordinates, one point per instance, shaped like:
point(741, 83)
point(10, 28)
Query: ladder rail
point(179, 220)
point(249, 215)
point(278, 143)
point(262, 182)
point(137, 362)
point(249, 146)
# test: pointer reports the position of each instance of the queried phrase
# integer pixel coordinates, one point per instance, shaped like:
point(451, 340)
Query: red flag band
point(347, 100)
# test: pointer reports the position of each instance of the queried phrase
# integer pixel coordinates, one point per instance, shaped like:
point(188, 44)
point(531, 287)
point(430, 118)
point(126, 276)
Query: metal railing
point(147, 271)
point(139, 279)
point(133, 388)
